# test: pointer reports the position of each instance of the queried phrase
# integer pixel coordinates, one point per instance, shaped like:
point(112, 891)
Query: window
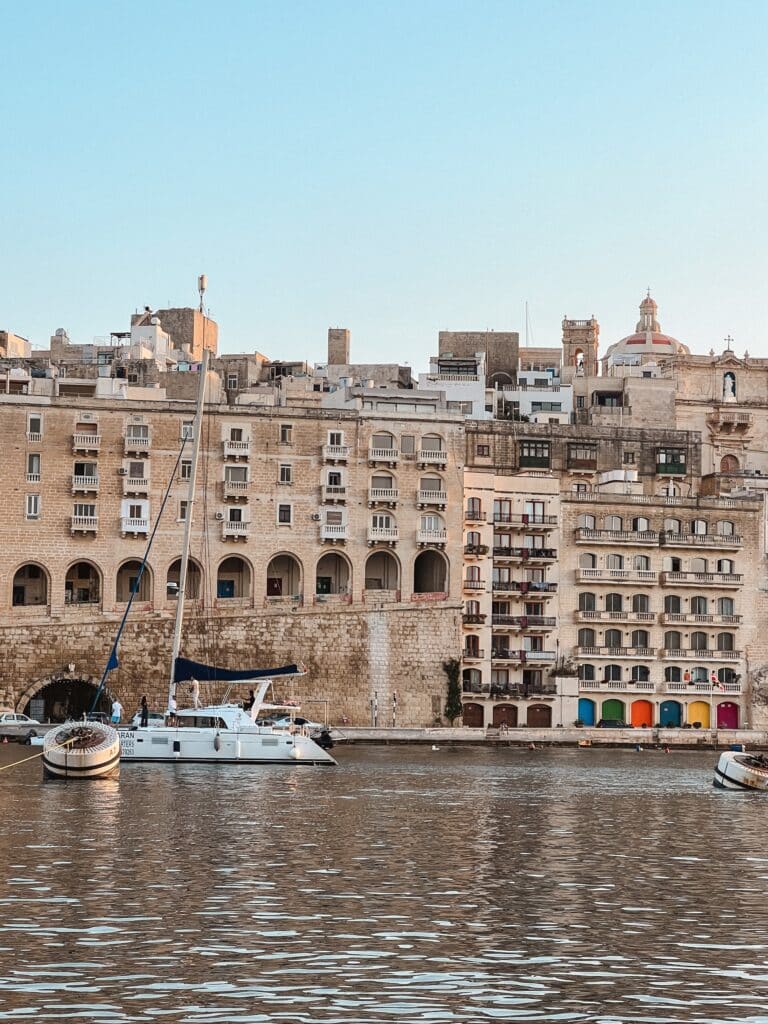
point(629, 458)
point(473, 538)
point(334, 517)
point(615, 562)
point(613, 523)
point(670, 460)
point(431, 483)
point(640, 524)
point(138, 431)
point(672, 674)
point(586, 602)
point(33, 506)
point(582, 456)
point(430, 523)
point(586, 638)
point(502, 510)
point(699, 527)
point(672, 604)
point(34, 427)
point(383, 441)
point(134, 511)
point(699, 641)
point(672, 564)
point(614, 603)
point(613, 638)
point(186, 469)
point(232, 381)
point(431, 443)
point(640, 638)
point(534, 454)
point(612, 673)
point(640, 673)
point(407, 444)
point(726, 675)
point(84, 510)
point(672, 526)
point(334, 478)
point(286, 473)
point(673, 641)
point(725, 642)
point(726, 565)
point(641, 563)
point(135, 470)
point(235, 433)
point(579, 488)
point(483, 451)
point(33, 468)
point(699, 675)
point(587, 673)
point(183, 506)
point(579, 401)
point(236, 474)
point(586, 522)
point(335, 438)
point(725, 528)
point(474, 508)
point(235, 514)
point(284, 515)
point(699, 605)
point(286, 433)
point(587, 561)
point(381, 521)
point(472, 608)
point(699, 565)
point(725, 606)
point(640, 603)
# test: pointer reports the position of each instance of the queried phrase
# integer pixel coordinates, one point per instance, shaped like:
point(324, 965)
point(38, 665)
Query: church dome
point(648, 343)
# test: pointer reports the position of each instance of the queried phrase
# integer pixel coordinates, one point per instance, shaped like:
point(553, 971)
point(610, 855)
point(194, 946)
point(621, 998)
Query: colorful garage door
point(727, 715)
point(641, 713)
point(612, 709)
point(587, 710)
point(539, 716)
point(505, 714)
point(473, 716)
point(670, 714)
point(698, 711)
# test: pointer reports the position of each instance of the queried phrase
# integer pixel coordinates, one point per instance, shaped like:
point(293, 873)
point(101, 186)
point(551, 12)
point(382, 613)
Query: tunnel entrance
point(62, 698)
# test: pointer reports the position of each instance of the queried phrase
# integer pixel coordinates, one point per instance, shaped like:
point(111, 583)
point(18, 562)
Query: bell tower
point(580, 341)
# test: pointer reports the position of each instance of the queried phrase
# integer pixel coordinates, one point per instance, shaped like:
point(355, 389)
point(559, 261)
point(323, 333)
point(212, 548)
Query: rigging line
point(42, 753)
point(112, 662)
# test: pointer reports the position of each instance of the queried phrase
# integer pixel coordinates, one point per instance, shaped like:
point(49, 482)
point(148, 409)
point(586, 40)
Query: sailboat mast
point(197, 433)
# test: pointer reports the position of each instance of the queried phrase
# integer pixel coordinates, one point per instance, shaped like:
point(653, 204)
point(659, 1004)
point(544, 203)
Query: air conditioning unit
point(316, 517)
point(122, 471)
point(219, 515)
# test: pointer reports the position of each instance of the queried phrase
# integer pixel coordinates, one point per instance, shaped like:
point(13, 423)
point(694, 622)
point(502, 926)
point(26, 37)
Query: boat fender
point(217, 742)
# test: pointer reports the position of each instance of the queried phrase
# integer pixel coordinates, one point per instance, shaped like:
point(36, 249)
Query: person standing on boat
point(117, 711)
point(144, 712)
point(248, 704)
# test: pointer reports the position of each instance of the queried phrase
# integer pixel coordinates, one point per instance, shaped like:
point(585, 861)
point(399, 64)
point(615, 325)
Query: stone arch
point(82, 583)
point(285, 576)
point(30, 586)
point(64, 695)
point(127, 573)
point(234, 578)
point(382, 571)
point(729, 464)
point(430, 572)
point(333, 574)
point(194, 580)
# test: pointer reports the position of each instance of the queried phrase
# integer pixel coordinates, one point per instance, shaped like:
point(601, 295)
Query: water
point(407, 885)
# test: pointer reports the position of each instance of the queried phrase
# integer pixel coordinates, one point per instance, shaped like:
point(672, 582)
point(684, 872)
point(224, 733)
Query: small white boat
point(81, 750)
point(741, 771)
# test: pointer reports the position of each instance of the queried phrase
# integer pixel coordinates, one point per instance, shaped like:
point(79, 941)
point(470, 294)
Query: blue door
point(587, 710)
point(671, 714)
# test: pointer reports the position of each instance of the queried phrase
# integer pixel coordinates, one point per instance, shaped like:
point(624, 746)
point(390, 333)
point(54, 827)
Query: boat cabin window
point(201, 722)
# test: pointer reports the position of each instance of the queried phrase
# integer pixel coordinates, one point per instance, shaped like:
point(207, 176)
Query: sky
point(394, 168)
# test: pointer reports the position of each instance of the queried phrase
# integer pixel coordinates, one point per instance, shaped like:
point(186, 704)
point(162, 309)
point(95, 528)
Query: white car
point(286, 721)
point(12, 724)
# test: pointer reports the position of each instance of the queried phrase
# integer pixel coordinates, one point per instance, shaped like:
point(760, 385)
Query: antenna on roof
point(202, 284)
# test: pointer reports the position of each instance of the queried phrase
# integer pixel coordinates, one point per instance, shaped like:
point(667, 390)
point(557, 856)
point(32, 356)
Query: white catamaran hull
point(78, 750)
point(212, 746)
point(741, 771)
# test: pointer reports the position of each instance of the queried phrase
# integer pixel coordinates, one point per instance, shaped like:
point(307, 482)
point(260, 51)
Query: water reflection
point(408, 885)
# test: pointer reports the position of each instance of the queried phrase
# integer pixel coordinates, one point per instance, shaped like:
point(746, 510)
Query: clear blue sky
point(395, 168)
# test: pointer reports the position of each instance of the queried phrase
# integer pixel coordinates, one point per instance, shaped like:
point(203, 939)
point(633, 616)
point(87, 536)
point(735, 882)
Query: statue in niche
point(729, 387)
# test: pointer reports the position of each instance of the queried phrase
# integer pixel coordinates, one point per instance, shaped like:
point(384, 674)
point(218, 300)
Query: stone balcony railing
point(334, 492)
point(471, 584)
point(615, 652)
point(135, 485)
point(608, 616)
point(700, 540)
point(84, 524)
point(139, 445)
point(234, 528)
point(86, 442)
point(391, 455)
point(128, 524)
point(334, 531)
point(431, 497)
point(383, 534)
point(383, 495)
point(616, 576)
point(84, 483)
point(696, 654)
point(236, 449)
point(428, 457)
point(524, 554)
point(696, 579)
point(524, 521)
point(671, 618)
point(235, 488)
point(431, 536)
point(335, 452)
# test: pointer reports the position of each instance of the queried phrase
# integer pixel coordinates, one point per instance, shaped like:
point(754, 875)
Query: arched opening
point(471, 680)
point(698, 711)
point(612, 710)
point(641, 714)
point(729, 464)
point(333, 576)
point(82, 584)
point(61, 698)
point(539, 716)
point(194, 583)
point(727, 715)
point(284, 578)
point(506, 715)
point(430, 573)
point(30, 586)
point(473, 716)
point(586, 711)
point(233, 580)
point(382, 572)
point(127, 575)
point(670, 714)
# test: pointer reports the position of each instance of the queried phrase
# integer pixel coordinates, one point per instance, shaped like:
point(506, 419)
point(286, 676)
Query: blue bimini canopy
point(184, 669)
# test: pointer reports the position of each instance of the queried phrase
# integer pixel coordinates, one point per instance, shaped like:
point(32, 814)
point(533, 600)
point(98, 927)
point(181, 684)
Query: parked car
point(13, 725)
point(286, 721)
point(612, 723)
point(155, 718)
point(98, 716)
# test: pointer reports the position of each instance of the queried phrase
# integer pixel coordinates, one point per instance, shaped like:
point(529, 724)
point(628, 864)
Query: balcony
point(335, 452)
point(426, 457)
point(84, 524)
point(86, 442)
point(135, 485)
point(236, 449)
point(531, 623)
point(534, 462)
point(35, 436)
point(671, 468)
point(524, 521)
point(334, 532)
point(473, 584)
point(383, 534)
point(474, 515)
point(688, 654)
point(524, 588)
point(713, 691)
point(334, 493)
point(135, 526)
point(84, 484)
point(615, 576)
point(615, 652)
point(136, 445)
point(33, 478)
point(698, 579)
point(524, 554)
point(383, 496)
point(476, 549)
point(521, 656)
point(431, 537)
point(432, 498)
point(236, 489)
point(234, 529)
point(729, 419)
point(473, 619)
point(616, 685)
point(388, 455)
point(478, 654)
point(699, 540)
point(584, 535)
point(605, 616)
point(670, 618)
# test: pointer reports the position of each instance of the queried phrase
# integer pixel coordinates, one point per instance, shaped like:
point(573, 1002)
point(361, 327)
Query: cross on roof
point(728, 342)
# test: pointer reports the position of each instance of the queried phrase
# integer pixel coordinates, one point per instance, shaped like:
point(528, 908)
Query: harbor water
point(407, 885)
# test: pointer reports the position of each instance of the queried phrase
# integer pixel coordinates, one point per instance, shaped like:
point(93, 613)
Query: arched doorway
point(613, 709)
point(126, 578)
point(698, 711)
point(727, 715)
point(382, 572)
point(284, 577)
point(333, 575)
point(670, 714)
point(729, 464)
point(82, 584)
point(233, 580)
point(472, 716)
point(30, 586)
point(641, 714)
point(505, 714)
point(539, 716)
point(60, 698)
point(586, 711)
point(194, 584)
point(430, 573)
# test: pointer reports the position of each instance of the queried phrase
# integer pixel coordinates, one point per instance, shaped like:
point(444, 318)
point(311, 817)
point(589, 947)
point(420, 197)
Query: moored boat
point(741, 771)
point(81, 750)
